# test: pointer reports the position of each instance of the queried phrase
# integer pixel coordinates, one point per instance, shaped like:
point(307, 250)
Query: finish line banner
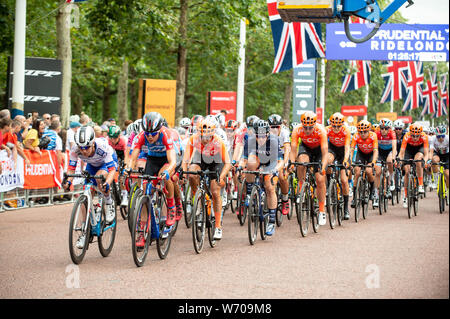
point(393, 42)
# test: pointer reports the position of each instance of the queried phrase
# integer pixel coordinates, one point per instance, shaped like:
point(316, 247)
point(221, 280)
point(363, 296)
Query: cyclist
point(207, 151)
point(160, 158)
point(313, 148)
point(415, 146)
point(399, 129)
point(439, 146)
point(100, 159)
point(119, 144)
point(263, 153)
point(367, 143)
point(278, 129)
point(233, 138)
point(339, 139)
point(387, 144)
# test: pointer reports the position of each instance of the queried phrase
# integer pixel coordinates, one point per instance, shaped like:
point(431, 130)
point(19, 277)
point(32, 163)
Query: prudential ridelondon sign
point(393, 42)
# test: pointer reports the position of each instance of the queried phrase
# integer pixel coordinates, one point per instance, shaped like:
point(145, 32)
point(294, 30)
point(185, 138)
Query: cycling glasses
point(83, 148)
point(440, 136)
point(384, 128)
point(398, 129)
point(261, 135)
point(415, 136)
point(152, 134)
point(308, 128)
point(336, 126)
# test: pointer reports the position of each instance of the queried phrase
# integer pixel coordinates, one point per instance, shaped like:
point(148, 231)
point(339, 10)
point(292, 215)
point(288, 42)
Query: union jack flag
point(356, 80)
point(294, 42)
point(430, 94)
point(395, 81)
point(443, 101)
point(414, 98)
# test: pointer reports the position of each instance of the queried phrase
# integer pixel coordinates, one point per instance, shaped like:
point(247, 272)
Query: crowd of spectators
point(37, 133)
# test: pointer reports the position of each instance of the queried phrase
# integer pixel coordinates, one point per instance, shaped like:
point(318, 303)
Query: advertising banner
point(389, 115)
point(304, 91)
point(159, 96)
point(393, 42)
point(43, 171)
point(43, 83)
point(405, 119)
point(11, 175)
point(222, 100)
point(354, 110)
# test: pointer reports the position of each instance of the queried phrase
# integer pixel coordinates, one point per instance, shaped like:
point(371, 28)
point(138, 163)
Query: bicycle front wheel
point(242, 210)
point(358, 198)
point(198, 222)
point(108, 232)
point(303, 207)
point(410, 196)
point(187, 205)
point(332, 203)
point(140, 235)
point(79, 230)
point(253, 216)
point(135, 195)
point(441, 188)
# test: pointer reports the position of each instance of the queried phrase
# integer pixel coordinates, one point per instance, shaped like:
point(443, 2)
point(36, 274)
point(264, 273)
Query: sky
point(427, 12)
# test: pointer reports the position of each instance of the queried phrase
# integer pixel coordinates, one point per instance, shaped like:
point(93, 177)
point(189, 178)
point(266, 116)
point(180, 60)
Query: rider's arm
point(227, 164)
point(294, 146)
point(375, 148)
point(426, 148)
point(324, 148)
point(187, 154)
point(401, 153)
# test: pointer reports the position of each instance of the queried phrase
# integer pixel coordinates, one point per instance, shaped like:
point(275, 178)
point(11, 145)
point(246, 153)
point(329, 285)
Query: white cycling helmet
point(137, 127)
point(385, 123)
point(130, 129)
point(353, 129)
point(185, 122)
point(85, 136)
point(220, 119)
point(399, 124)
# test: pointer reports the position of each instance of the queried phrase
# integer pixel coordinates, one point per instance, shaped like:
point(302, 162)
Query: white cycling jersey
point(104, 155)
point(438, 147)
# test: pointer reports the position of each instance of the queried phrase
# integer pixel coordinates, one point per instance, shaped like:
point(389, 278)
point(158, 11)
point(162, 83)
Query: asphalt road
point(387, 256)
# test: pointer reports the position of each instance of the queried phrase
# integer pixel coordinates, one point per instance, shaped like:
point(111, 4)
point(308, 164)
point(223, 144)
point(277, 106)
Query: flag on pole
point(413, 99)
point(430, 94)
point(395, 81)
point(442, 108)
point(358, 76)
point(293, 42)
point(73, 1)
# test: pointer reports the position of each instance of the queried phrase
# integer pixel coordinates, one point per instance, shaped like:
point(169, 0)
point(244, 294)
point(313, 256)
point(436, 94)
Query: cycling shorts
point(383, 154)
point(154, 164)
point(443, 158)
point(338, 152)
point(364, 158)
point(92, 170)
point(411, 151)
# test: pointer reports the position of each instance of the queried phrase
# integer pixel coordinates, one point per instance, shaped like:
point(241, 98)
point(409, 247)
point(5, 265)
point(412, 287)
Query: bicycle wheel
point(358, 198)
point(78, 227)
point(365, 208)
point(381, 196)
point(410, 196)
point(332, 203)
point(440, 191)
point(160, 210)
point(211, 226)
point(279, 214)
point(291, 196)
point(340, 206)
point(253, 216)
point(136, 195)
point(107, 232)
point(242, 211)
point(416, 196)
point(198, 222)
point(263, 219)
point(303, 208)
point(187, 206)
point(140, 230)
point(232, 199)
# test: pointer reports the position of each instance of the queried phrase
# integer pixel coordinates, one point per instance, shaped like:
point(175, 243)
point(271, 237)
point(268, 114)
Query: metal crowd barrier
point(27, 198)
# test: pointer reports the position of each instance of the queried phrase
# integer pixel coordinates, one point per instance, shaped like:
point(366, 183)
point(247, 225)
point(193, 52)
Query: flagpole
point(322, 91)
point(241, 73)
point(366, 101)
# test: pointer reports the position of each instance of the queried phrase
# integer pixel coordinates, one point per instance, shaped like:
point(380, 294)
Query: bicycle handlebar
point(85, 175)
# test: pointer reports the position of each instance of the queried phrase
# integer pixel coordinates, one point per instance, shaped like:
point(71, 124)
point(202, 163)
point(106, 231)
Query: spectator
point(112, 122)
point(47, 119)
point(55, 141)
point(31, 141)
point(124, 130)
point(5, 114)
point(70, 140)
point(84, 119)
point(98, 131)
point(55, 117)
point(5, 127)
point(105, 129)
point(12, 137)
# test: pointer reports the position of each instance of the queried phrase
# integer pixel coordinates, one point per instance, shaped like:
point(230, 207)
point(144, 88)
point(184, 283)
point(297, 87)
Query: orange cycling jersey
point(366, 146)
point(408, 140)
point(317, 138)
point(342, 138)
point(214, 150)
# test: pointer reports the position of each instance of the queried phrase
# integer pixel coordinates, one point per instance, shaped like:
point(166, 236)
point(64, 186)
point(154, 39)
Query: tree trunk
point(106, 102)
point(134, 89)
point(77, 104)
point(287, 103)
point(181, 65)
point(64, 53)
point(122, 95)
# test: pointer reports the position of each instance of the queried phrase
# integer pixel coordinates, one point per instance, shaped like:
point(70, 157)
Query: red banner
point(319, 112)
point(43, 171)
point(222, 100)
point(405, 119)
point(354, 110)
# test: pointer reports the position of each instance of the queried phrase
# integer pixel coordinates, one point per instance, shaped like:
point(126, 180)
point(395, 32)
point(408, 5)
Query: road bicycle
point(123, 183)
point(442, 190)
point(306, 205)
point(335, 197)
point(88, 220)
point(362, 192)
point(412, 192)
point(396, 194)
point(203, 218)
point(256, 206)
point(136, 191)
point(383, 189)
point(241, 212)
point(149, 222)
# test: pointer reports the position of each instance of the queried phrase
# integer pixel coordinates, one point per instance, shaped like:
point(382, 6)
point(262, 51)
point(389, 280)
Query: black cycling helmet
point(261, 127)
point(275, 120)
point(152, 122)
point(251, 120)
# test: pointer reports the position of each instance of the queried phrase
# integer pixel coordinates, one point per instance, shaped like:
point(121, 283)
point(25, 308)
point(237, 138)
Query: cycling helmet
point(416, 128)
point(399, 124)
point(364, 126)
point(185, 122)
point(220, 118)
point(294, 125)
point(353, 130)
point(137, 126)
point(250, 120)
point(441, 130)
point(85, 136)
point(337, 119)
point(195, 121)
point(114, 131)
point(385, 123)
point(261, 127)
point(207, 127)
point(431, 130)
point(308, 118)
point(231, 124)
point(164, 122)
point(152, 122)
point(275, 120)
point(181, 130)
point(130, 129)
